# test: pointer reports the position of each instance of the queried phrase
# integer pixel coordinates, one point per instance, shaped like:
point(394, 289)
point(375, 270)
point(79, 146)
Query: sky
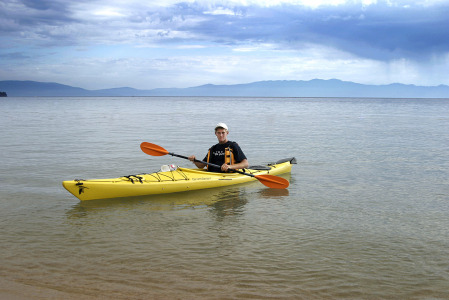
point(143, 44)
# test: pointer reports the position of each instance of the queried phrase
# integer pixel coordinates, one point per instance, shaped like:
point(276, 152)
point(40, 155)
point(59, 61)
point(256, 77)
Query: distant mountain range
point(279, 88)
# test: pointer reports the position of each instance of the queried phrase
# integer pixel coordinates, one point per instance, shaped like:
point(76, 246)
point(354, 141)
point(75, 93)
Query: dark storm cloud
point(380, 31)
point(29, 17)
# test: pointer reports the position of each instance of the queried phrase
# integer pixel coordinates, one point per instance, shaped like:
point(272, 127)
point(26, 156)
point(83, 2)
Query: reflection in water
point(274, 193)
point(167, 202)
point(231, 202)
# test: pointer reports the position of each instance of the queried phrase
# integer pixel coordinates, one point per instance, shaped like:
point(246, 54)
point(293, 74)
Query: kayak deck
point(179, 180)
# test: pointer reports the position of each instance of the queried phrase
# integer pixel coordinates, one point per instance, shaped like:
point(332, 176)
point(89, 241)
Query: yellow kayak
point(168, 181)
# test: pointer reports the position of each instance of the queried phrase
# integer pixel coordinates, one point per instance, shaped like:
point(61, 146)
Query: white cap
point(221, 125)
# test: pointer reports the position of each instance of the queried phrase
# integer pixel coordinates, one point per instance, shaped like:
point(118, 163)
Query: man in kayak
point(226, 154)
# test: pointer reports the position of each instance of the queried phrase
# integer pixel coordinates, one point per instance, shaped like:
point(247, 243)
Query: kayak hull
point(179, 180)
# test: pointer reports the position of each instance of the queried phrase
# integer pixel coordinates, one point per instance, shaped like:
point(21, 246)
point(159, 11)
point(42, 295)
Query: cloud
point(377, 30)
point(218, 41)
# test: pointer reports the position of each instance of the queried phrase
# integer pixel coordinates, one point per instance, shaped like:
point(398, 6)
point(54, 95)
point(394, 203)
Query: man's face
point(222, 135)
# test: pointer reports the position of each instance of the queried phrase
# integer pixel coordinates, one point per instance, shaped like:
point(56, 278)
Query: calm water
point(365, 216)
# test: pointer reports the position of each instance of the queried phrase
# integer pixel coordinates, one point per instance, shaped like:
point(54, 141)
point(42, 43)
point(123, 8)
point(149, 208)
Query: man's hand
point(226, 168)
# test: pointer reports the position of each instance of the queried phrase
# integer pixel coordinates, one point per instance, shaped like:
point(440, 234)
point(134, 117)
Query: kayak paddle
point(271, 181)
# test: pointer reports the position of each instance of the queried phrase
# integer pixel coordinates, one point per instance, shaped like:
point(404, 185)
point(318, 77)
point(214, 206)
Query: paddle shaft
point(209, 164)
point(268, 180)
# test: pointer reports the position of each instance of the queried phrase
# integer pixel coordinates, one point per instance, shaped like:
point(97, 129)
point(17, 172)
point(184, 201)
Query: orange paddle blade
point(153, 149)
point(273, 182)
